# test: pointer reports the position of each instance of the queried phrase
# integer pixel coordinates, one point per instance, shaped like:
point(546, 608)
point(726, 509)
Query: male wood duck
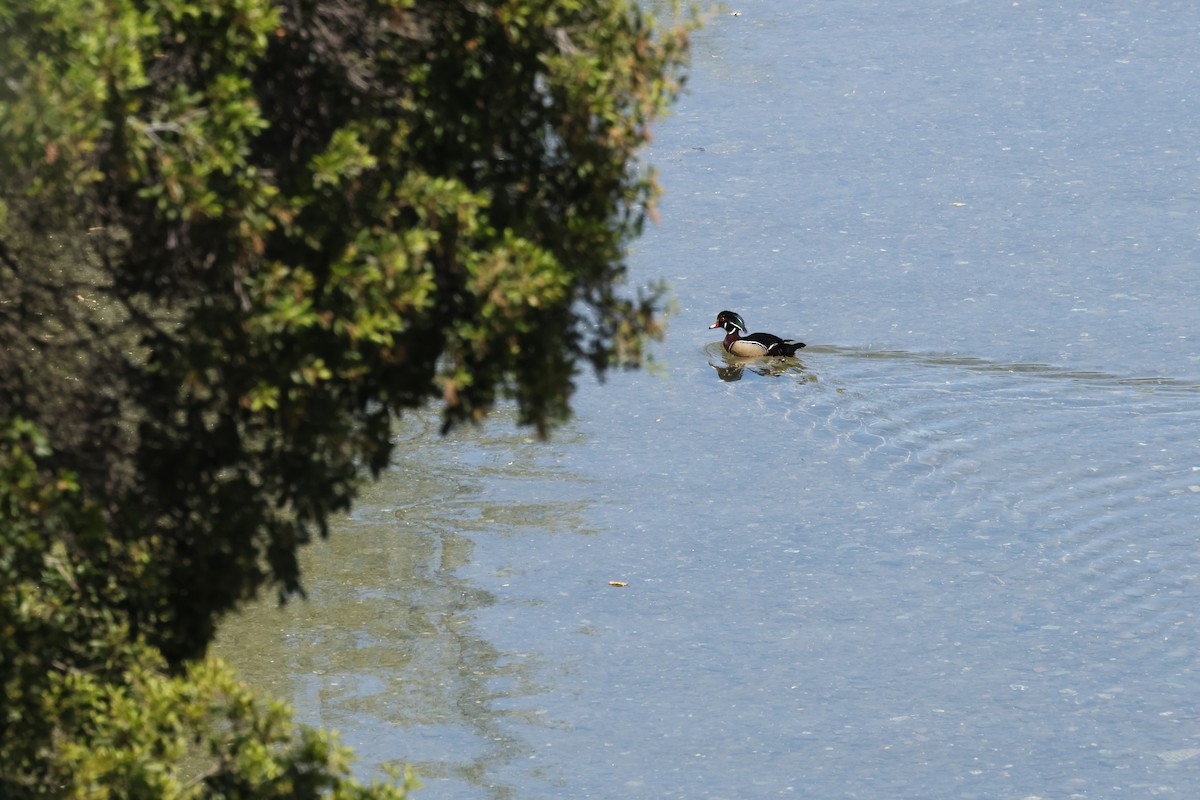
point(754, 345)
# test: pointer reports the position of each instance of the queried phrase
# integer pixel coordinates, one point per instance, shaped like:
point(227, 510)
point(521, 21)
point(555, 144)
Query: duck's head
point(730, 321)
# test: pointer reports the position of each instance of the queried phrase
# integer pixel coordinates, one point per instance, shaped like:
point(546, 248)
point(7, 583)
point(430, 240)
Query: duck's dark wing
point(774, 346)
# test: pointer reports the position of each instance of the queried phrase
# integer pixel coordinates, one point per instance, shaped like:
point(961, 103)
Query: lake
point(948, 552)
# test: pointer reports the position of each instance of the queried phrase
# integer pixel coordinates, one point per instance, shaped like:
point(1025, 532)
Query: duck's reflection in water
point(733, 369)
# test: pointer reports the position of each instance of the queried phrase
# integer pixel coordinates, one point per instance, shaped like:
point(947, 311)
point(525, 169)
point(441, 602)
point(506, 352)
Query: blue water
point(1011, 181)
point(950, 552)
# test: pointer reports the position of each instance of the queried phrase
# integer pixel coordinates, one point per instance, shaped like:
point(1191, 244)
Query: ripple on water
point(1093, 479)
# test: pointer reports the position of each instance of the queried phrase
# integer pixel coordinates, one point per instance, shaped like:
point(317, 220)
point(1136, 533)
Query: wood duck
point(754, 345)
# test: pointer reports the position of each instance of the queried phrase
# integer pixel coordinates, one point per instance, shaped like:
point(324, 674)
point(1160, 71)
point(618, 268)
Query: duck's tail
point(787, 347)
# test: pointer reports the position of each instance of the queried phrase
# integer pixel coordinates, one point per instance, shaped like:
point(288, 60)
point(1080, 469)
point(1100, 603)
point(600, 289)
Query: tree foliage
point(238, 238)
point(91, 712)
